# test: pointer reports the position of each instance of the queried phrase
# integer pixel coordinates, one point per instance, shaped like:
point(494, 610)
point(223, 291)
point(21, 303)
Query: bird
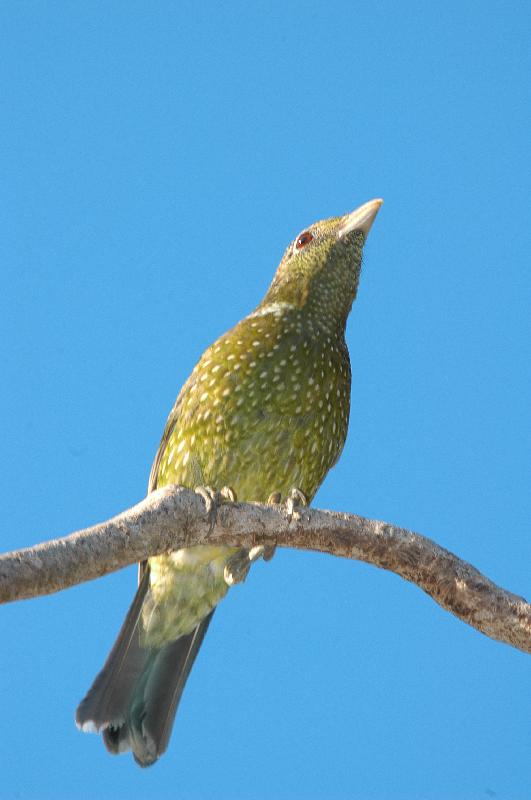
point(262, 418)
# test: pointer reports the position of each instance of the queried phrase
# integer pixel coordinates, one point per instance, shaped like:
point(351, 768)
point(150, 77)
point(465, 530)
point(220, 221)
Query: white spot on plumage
point(272, 308)
point(89, 727)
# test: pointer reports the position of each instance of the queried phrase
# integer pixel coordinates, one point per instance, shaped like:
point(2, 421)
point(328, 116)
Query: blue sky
point(156, 160)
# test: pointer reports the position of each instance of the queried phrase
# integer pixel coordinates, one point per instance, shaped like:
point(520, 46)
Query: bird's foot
point(228, 495)
point(295, 500)
point(274, 499)
point(268, 550)
point(208, 494)
point(237, 567)
point(213, 499)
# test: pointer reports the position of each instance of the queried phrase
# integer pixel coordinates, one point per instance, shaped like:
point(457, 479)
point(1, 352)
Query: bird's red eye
point(304, 239)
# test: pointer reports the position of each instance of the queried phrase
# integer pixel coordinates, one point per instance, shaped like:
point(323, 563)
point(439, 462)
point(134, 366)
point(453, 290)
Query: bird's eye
point(304, 239)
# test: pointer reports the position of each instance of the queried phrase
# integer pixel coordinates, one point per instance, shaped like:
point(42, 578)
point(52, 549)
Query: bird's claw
point(268, 551)
point(228, 495)
point(208, 494)
point(296, 499)
point(213, 499)
point(274, 499)
point(237, 567)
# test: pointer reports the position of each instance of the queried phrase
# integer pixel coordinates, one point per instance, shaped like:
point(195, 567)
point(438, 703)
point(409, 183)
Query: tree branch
point(175, 517)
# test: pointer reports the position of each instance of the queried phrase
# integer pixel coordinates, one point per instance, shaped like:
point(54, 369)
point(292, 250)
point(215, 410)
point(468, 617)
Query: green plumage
point(265, 410)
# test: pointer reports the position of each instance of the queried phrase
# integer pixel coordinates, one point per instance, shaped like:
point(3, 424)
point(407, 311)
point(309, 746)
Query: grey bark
point(175, 517)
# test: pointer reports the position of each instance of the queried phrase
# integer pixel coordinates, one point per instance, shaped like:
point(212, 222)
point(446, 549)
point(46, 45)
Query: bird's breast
point(265, 409)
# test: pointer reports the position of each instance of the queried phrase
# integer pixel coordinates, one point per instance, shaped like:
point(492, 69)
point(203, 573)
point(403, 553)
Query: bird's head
point(320, 269)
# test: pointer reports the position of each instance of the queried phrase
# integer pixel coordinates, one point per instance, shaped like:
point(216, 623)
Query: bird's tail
point(134, 698)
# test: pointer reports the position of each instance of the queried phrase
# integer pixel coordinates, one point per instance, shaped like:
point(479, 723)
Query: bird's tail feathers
point(133, 700)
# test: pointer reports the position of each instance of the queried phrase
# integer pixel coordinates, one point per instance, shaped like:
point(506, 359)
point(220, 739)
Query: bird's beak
point(360, 220)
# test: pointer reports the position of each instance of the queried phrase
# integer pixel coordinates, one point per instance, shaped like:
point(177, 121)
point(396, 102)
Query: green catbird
point(265, 412)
